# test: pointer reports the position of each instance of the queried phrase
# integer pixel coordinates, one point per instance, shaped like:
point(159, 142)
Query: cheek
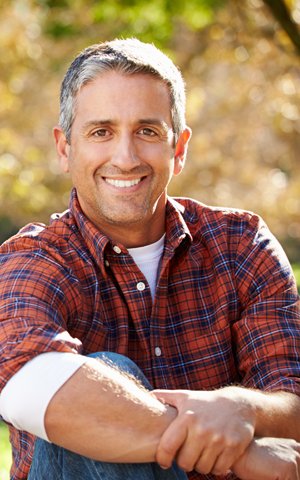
point(160, 157)
point(87, 159)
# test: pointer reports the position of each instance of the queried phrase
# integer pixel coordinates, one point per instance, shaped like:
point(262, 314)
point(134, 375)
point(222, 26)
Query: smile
point(123, 183)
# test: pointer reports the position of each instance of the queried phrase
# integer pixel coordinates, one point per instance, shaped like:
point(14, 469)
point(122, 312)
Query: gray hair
point(129, 56)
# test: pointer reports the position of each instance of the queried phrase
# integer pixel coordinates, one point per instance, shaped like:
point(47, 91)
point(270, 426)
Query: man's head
point(128, 56)
point(122, 136)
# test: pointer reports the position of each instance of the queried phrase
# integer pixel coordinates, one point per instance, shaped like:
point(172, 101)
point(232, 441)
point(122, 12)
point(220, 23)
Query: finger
point(225, 461)
point(189, 453)
point(171, 397)
point(170, 442)
point(208, 458)
point(229, 455)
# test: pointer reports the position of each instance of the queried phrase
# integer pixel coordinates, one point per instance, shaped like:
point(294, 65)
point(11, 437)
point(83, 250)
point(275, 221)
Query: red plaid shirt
point(225, 309)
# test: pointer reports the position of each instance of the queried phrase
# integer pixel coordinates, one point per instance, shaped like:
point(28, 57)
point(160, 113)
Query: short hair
point(128, 56)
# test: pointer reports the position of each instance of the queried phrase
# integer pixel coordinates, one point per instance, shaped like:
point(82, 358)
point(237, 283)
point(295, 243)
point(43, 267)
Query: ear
point(181, 150)
point(62, 148)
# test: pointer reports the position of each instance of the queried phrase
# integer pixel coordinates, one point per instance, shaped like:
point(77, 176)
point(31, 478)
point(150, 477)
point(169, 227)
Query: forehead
point(124, 94)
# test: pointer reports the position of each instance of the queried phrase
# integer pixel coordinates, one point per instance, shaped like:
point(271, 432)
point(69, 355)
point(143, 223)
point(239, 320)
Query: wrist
point(247, 402)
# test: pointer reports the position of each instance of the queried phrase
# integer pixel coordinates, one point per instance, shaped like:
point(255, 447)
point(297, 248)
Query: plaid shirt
point(225, 309)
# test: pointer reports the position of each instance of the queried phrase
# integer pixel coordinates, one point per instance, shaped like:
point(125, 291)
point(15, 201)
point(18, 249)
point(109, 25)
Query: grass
point(5, 451)
point(296, 269)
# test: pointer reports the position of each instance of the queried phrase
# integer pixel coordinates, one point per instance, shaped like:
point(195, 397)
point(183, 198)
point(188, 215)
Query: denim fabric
point(51, 462)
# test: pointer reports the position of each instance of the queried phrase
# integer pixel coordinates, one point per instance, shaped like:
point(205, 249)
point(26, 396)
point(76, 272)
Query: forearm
point(102, 414)
point(269, 459)
point(277, 414)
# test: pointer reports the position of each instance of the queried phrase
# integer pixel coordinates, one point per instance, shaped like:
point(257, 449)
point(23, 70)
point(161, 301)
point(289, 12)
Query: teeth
point(122, 183)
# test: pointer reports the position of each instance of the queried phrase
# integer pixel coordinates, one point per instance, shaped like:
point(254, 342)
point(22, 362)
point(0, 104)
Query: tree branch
point(282, 15)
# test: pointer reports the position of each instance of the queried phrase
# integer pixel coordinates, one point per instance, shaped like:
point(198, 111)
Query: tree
point(242, 76)
point(282, 14)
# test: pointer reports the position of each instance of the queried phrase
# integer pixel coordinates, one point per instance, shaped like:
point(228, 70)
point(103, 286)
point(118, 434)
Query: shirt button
point(157, 351)
point(140, 286)
point(116, 249)
point(106, 263)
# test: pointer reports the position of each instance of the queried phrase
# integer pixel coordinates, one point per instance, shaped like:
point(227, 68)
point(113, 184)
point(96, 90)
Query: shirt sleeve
point(36, 383)
point(267, 335)
point(39, 293)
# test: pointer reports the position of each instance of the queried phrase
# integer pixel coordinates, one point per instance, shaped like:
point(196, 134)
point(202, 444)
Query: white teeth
point(122, 183)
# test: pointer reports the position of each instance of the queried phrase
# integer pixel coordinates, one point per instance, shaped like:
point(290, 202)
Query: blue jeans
point(51, 462)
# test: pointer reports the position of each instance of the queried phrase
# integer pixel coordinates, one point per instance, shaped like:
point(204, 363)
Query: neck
point(135, 235)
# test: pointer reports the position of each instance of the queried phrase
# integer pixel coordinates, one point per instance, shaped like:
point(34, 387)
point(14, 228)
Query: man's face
point(122, 153)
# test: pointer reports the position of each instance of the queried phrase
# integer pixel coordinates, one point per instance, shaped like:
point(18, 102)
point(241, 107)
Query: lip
point(123, 182)
point(124, 185)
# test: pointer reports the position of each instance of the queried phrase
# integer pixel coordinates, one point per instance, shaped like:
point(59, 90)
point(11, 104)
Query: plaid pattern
point(226, 307)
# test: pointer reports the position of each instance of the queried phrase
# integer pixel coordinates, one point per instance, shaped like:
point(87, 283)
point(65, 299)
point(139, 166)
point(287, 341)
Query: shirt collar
point(94, 239)
point(176, 227)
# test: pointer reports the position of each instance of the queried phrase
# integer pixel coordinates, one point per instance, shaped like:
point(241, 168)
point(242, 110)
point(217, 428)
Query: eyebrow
point(154, 121)
point(143, 121)
point(95, 123)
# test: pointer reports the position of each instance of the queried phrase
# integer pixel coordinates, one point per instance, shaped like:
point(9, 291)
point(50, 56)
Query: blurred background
point(240, 60)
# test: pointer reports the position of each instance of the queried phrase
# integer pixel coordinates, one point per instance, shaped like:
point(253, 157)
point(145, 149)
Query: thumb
point(171, 397)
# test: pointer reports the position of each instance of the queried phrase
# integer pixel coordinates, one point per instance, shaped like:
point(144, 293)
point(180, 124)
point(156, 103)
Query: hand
point(269, 459)
point(211, 431)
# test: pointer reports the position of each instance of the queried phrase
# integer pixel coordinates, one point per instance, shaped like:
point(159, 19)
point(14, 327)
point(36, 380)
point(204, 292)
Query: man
point(201, 299)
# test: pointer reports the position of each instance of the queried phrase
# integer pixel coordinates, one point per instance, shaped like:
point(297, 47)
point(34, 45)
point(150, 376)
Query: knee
point(122, 363)
point(114, 358)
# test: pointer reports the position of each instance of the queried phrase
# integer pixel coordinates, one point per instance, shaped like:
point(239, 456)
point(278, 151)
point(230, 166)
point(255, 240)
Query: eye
point(100, 132)
point(147, 131)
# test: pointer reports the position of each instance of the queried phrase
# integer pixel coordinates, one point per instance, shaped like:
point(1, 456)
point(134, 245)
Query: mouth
point(123, 183)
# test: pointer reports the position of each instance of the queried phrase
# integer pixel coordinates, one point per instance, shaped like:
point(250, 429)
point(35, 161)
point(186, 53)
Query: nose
point(125, 155)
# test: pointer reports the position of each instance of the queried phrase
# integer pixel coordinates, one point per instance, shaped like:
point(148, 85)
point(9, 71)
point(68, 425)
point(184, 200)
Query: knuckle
point(184, 465)
point(198, 433)
point(223, 464)
point(224, 441)
point(234, 442)
point(217, 440)
point(189, 417)
point(166, 450)
point(202, 468)
point(164, 455)
point(219, 471)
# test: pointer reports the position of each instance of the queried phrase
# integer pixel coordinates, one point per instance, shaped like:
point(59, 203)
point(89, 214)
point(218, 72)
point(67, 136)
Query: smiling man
point(123, 154)
point(131, 290)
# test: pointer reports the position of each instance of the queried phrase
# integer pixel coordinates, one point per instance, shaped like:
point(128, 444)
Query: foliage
point(296, 269)
point(242, 74)
point(5, 452)
point(156, 19)
point(281, 12)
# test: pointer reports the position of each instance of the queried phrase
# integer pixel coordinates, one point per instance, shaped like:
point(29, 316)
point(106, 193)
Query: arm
point(214, 428)
point(269, 459)
point(99, 410)
point(277, 414)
